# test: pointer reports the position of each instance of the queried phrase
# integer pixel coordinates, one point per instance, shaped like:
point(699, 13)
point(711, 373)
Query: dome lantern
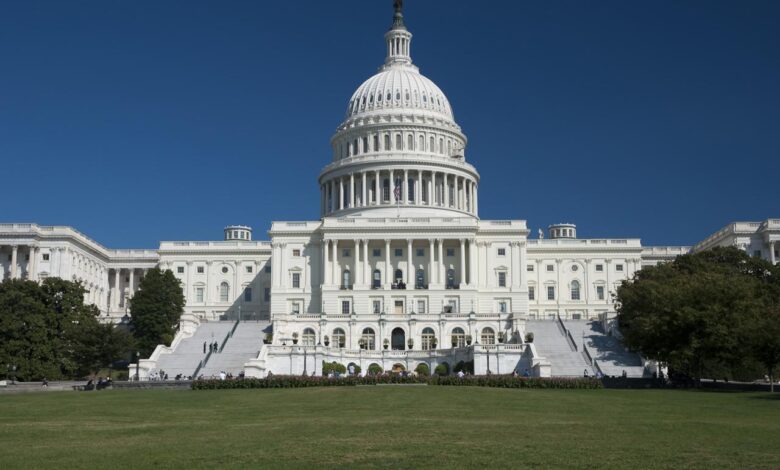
point(398, 39)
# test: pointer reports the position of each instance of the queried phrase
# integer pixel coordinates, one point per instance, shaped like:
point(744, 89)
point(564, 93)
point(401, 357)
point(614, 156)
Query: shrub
point(442, 369)
point(422, 369)
point(460, 366)
point(529, 337)
point(374, 369)
point(328, 367)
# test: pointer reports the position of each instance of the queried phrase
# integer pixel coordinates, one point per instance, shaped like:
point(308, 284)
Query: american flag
point(397, 190)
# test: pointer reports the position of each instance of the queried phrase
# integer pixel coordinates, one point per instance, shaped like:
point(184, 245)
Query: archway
point(398, 368)
point(398, 339)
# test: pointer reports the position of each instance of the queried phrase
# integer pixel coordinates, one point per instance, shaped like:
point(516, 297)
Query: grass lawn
point(390, 426)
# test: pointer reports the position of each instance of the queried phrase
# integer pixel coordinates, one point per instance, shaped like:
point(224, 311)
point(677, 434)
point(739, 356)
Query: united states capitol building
point(399, 270)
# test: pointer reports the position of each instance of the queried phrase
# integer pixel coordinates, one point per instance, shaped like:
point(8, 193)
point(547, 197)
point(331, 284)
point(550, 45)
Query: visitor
point(460, 374)
point(624, 373)
point(204, 347)
point(526, 373)
point(585, 374)
point(45, 383)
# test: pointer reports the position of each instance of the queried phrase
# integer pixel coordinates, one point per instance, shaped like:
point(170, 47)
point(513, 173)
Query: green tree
point(156, 309)
point(694, 313)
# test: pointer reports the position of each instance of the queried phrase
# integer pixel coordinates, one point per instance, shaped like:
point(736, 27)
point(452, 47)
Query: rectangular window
point(268, 268)
point(46, 257)
point(550, 292)
point(376, 253)
point(377, 304)
point(600, 292)
point(200, 269)
point(420, 306)
point(345, 307)
point(180, 269)
point(267, 294)
point(249, 269)
point(248, 294)
point(420, 251)
point(450, 252)
point(297, 252)
point(399, 252)
point(502, 307)
point(618, 267)
point(599, 268)
point(531, 293)
point(757, 253)
point(198, 294)
point(346, 253)
point(296, 308)
point(530, 268)
point(296, 280)
point(398, 307)
point(550, 268)
point(501, 279)
point(502, 252)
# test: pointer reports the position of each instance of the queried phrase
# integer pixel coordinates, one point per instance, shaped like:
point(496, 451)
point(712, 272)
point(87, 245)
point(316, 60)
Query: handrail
point(229, 335)
point(566, 334)
point(201, 365)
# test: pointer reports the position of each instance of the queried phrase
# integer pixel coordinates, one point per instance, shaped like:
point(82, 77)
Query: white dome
point(399, 87)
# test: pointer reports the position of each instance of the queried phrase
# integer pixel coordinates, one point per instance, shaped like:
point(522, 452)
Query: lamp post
point(305, 360)
point(11, 373)
point(137, 363)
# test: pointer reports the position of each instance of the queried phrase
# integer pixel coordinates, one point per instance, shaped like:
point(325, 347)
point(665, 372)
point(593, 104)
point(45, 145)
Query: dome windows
point(398, 96)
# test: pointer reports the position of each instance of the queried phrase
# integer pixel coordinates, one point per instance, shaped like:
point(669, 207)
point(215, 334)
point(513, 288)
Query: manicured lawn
point(391, 426)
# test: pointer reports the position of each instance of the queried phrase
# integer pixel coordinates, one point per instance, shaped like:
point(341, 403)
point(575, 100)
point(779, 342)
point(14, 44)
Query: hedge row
point(298, 381)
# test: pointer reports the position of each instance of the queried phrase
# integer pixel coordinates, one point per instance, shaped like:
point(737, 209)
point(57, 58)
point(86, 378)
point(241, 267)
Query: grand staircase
point(552, 343)
point(243, 345)
point(189, 353)
point(608, 352)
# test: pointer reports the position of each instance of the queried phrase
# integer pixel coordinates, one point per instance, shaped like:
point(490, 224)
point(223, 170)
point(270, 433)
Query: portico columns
point(334, 263)
point(445, 185)
point(472, 262)
point(476, 199)
point(377, 194)
point(341, 193)
point(440, 275)
point(431, 263)
point(772, 252)
point(366, 266)
point(351, 190)
point(387, 264)
point(358, 264)
point(363, 200)
point(115, 297)
point(14, 253)
point(325, 265)
point(132, 280)
point(405, 186)
point(462, 261)
point(409, 265)
point(430, 191)
point(31, 265)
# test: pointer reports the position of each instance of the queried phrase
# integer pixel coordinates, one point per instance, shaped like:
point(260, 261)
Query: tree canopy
point(46, 330)
point(707, 314)
point(156, 309)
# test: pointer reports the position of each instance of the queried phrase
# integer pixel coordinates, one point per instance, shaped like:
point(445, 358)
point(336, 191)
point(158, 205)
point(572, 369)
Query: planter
point(385, 346)
point(327, 343)
point(295, 341)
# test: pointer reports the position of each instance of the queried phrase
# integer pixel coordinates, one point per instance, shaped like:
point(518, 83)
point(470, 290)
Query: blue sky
point(141, 121)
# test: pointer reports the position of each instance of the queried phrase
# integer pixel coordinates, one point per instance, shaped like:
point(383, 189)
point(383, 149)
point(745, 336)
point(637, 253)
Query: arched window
point(450, 278)
point(386, 190)
point(376, 281)
point(379, 97)
point(399, 276)
point(432, 145)
point(449, 147)
point(410, 142)
point(441, 145)
point(410, 191)
point(368, 339)
point(419, 279)
point(428, 337)
point(355, 147)
point(224, 292)
point(398, 95)
point(387, 142)
point(376, 143)
point(308, 338)
point(346, 279)
point(339, 338)
point(365, 144)
point(575, 290)
point(399, 143)
point(458, 338)
point(398, 339)
point(422, 144)
point(488, 336)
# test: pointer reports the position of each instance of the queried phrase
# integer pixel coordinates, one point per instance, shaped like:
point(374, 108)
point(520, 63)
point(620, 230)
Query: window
point(297, 252)
point(247, 294)
point(200, 269)
point(376, 281)
point(368, 339)
point(550, 268)
point(399, 144)
point(398, 307)
point(502, 252)
point(346, 279)
point(224, 292)
point(488, 336)
point(532, 293)
point(420, 251)
point(198, 294)
point(502, 307)
point(308, 338)
point(224, 269)
point(387, 136)
point(428, 337)
point(46, 257)
point(419, 279)
point(345, 307)
point(399, 276)
point(529, 268)
point(574, 267)
point(376, 253)
point(339, 338)
point(267, 294)
point(502, 279)
point(458, 337)
point(296, 280)
point(600, 292)
point(420, 306)
point(618, 267)
point(376, 137)
point(550, 292)
point(346, 252)
point(296, 308)
point(180, 269)
point(450, 252)
point(249, 269)
point(599, 268)
point(268, 268)
point(399, 252)
point(450, 279)
point(575, 290)
point(377, 306)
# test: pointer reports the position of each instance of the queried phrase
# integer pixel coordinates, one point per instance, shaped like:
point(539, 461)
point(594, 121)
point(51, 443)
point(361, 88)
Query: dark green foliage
point(328, 367)
point(423, 369)
point(442, 369)
point(47, 331)
point(703, 314)
point(529, 337)
point(299, 381)
point(374, 369)
point(156, 309)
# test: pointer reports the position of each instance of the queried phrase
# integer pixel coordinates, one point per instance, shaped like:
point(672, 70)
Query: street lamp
point(11, 373)
point(137, 363)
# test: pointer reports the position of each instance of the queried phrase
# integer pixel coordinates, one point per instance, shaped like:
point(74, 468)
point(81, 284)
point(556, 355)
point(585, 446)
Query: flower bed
point(298, 381)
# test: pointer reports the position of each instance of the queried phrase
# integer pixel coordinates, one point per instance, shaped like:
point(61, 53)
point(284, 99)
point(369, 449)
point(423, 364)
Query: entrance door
point(398, 339)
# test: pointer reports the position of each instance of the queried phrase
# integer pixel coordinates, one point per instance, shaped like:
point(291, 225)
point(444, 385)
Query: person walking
point(204, 347)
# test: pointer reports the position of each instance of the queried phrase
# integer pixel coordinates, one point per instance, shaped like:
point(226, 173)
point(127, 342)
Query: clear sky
point(140, 121)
